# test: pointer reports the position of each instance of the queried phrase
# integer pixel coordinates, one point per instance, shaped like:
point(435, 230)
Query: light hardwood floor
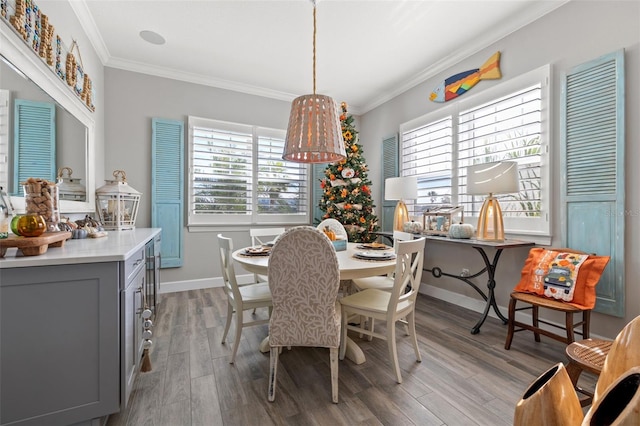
point(463, 379)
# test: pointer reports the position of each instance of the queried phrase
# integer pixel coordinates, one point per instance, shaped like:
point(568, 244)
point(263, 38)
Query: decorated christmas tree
point(346, 190)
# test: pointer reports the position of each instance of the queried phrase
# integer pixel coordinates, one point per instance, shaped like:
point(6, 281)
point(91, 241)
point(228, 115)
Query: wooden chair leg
point(393, 351)
point(511, 325)
point(586, 321)
point(343, 338)
point(273, 372)
point(569, 326)
point(239, 324)
point(534, 318)
point(228, 324)
point(333, 358)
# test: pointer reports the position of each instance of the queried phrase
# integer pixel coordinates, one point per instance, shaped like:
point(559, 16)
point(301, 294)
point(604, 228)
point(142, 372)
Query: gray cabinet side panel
point(59, 347)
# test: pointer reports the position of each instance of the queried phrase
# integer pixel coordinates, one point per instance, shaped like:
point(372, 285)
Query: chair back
point(304, 279)
point(401, 236)
point(335, 226)
point(228, 272)
point(259, 235)
point(407, 275)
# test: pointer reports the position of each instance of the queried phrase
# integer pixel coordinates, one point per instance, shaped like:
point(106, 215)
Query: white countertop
point(117, 246)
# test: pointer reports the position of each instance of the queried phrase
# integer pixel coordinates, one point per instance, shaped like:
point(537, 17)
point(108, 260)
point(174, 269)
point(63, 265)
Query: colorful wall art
point(460, 83)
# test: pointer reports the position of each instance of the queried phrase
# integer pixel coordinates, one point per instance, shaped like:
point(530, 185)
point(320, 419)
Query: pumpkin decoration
point(329, 233)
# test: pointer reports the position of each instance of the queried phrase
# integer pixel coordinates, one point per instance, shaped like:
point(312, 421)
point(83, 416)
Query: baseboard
point(174, 286)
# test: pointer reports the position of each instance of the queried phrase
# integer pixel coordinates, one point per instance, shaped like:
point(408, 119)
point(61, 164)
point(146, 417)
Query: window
point(238, 176)
point(507, 122)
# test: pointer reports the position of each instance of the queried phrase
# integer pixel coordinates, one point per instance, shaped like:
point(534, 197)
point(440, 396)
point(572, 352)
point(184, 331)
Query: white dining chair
point(376, 304)
point(335, 226)
point(304, 278)
point(382, 282)
point(262, 236)
point(240, 298)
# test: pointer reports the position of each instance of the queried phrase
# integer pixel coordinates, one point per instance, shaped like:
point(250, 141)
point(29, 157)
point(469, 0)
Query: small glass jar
point(42, 198)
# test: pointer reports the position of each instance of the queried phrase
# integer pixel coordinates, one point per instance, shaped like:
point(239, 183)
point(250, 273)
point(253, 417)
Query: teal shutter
point(390, 168)
point(592, 167)
point(167, 188)
point(317, 174)
point(34, 147)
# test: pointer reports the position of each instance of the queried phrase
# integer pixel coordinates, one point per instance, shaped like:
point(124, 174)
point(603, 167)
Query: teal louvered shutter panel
point(592, 170)
point(390, 168)
point(167, 188)
point(34, 147)
point(317, 174)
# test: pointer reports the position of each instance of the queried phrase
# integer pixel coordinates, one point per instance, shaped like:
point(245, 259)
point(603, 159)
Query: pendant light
point(314, 134)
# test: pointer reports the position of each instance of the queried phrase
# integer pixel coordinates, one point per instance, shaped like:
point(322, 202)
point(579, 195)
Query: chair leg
point(410, 327)
point(239, 323)
point(228, 324)
point(343, 338)
point(569, 326)
point(586, 321)
point(393, 352)
point(372, 328)
point(273, 372)
point(534, 319)
point(511, 325)
point(333, 357)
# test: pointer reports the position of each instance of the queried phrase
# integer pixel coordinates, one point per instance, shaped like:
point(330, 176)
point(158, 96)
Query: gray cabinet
point(71, 329)
point(59, 329)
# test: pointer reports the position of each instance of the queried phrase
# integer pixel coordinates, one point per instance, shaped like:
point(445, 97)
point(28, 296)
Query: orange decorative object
point(329, 233)
point(31, 225)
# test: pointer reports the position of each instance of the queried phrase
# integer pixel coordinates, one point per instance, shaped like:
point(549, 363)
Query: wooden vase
point(624, 354)
point(550, 400)
point(619, 405)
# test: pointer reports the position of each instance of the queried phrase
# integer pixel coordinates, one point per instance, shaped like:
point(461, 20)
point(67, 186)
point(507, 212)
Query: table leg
point(491, 285)
point(489, 297)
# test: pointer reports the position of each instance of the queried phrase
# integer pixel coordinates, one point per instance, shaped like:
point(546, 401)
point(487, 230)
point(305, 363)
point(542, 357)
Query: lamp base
point(490, 226)
point(400, 216)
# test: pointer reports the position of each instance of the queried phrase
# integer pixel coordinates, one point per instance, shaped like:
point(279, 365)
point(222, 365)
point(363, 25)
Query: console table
point(489, 268)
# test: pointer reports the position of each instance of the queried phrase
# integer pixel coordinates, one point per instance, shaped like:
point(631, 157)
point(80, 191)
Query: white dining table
point(350, 268)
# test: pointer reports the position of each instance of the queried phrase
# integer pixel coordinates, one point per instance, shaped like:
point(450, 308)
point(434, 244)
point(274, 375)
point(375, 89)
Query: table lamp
point(492, 178)
point(400, 188)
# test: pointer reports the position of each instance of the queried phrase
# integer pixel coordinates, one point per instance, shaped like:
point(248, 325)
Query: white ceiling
point(367, 50)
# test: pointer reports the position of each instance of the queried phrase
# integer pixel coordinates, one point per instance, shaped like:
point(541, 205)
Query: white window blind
point(507, 122)
point(237, 176)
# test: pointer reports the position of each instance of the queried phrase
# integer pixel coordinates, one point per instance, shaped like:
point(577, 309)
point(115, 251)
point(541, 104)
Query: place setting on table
point(263, 250)
point(374, 252)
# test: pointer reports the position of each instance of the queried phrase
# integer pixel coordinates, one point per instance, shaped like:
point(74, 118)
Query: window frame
point(514, 227)
point(206, 222)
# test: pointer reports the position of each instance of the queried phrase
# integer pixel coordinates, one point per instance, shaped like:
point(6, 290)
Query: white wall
point(573, 34)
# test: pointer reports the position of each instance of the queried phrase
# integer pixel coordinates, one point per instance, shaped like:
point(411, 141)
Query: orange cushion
point(569, 277)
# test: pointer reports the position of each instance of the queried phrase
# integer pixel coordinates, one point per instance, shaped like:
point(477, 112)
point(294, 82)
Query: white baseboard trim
point(174, 286)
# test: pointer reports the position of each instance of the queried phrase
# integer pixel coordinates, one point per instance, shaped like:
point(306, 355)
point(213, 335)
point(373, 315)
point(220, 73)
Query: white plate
point(376, 255)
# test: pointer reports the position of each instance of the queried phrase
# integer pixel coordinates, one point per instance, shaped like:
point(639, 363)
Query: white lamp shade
point(492, 178)
point(401, 188)
point(314, 134)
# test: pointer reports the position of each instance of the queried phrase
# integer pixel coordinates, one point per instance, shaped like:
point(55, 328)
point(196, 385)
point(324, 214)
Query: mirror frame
point(26, 60)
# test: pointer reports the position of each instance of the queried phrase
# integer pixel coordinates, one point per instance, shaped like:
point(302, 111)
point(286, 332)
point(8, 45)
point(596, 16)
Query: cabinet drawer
point(133, 263)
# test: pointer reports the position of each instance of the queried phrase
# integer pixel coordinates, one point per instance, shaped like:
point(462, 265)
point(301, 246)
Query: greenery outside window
point(237, 176)
point(509, 121)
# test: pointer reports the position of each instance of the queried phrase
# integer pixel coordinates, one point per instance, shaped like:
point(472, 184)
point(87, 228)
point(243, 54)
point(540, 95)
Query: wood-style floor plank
point(463, 379)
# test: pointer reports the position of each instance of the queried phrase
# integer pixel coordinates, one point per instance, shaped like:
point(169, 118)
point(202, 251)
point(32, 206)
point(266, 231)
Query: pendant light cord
point(314, 47)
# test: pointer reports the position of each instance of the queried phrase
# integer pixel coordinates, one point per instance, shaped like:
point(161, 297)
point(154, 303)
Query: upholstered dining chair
point(304, 278)
point(262, 236)
point(376, 304)
point(383, 282)
point(239, 298)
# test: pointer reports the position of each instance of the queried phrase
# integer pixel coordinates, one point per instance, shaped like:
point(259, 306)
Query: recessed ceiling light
point(152, 37)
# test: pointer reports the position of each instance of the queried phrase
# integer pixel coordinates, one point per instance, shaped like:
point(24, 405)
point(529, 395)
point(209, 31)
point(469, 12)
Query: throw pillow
point(566, 276)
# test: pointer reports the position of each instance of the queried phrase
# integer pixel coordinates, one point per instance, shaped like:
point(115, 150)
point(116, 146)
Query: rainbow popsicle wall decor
point(460, 83)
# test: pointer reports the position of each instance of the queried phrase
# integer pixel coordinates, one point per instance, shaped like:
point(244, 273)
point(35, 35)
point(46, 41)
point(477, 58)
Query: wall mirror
point(23, 75)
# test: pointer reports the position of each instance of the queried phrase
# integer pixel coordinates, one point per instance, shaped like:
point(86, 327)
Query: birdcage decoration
point(117, 203)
